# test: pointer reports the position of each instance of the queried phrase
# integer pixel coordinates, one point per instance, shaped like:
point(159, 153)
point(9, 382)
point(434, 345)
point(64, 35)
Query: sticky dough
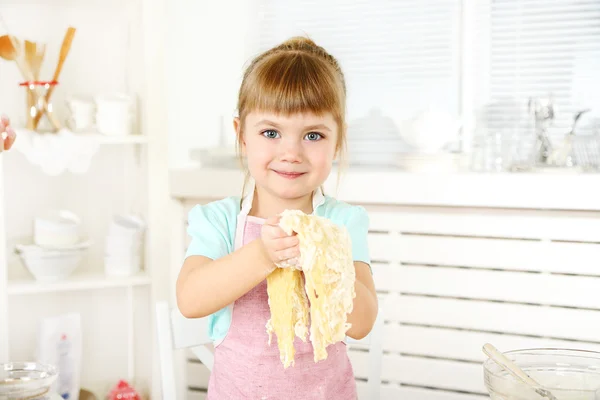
point(324, 289)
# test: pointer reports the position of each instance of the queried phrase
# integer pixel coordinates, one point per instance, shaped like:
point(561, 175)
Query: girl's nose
point(291, 151)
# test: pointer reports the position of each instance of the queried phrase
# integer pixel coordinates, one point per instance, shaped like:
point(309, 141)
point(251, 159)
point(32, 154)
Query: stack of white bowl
point(124, 246)
point(58, 247)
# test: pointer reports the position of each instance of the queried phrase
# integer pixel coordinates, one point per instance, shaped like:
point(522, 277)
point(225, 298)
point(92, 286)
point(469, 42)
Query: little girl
point(291, 127)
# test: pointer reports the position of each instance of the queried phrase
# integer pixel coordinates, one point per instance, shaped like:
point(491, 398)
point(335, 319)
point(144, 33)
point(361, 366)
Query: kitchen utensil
point(64, 51)
point(18, 55)
point(569, 374)
point(34, 53)
point(544, 113)
point(515, 371)
point(563, 155)
point(7, 50)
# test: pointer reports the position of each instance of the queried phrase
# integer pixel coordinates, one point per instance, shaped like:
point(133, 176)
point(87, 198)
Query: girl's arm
point(365, 306)
point(204, 286)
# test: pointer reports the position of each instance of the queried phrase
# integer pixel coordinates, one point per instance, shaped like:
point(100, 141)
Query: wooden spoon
point(64, 51)
point(515, 371)
point(7, 50)
point(30, 57)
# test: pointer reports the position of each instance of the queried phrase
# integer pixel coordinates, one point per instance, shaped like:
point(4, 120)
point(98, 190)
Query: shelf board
point(95, 136)
point(76, 282)
point(125, 139)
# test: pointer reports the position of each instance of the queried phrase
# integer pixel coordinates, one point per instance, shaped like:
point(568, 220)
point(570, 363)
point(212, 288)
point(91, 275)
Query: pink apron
point(247, 368)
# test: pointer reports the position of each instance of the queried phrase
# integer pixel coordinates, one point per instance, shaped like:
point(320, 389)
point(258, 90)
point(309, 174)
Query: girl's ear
point(238, 131)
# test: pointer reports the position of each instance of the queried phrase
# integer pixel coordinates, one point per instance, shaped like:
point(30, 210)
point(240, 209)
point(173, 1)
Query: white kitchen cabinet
point(118, 47)
point(459, 259)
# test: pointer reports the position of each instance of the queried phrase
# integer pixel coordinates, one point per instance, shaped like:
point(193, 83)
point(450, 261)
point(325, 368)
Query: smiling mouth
point(289, 175)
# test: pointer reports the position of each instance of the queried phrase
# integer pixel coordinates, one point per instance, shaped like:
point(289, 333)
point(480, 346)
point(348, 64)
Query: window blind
point(397, 56)
point(532, 48)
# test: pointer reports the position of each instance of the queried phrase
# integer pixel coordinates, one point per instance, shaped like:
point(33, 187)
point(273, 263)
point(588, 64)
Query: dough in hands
point(324, 288)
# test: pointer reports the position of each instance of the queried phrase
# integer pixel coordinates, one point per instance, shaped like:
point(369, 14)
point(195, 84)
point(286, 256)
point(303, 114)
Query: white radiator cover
point(451, 278)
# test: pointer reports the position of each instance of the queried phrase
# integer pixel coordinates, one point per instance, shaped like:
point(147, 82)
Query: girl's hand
point(8, 134)
point(282, 249)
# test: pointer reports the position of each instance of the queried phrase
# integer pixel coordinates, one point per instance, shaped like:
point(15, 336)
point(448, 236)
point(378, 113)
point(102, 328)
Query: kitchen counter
point(393, 186)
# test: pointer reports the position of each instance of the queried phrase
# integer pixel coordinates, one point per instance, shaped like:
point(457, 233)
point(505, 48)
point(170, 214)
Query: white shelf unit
point(118, 47)
point(77, 282)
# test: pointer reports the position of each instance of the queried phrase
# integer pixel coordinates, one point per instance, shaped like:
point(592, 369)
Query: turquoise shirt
point(212, 228)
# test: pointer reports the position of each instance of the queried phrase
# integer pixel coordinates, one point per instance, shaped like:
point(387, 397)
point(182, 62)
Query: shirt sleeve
point(357, 223)
point(208, 231)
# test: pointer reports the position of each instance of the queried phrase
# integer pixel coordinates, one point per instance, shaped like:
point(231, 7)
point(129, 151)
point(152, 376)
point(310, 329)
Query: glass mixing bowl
point(568, 374)
point(26, 380)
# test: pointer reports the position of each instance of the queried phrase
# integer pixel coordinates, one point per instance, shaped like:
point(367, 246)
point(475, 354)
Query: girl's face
point(289, 156)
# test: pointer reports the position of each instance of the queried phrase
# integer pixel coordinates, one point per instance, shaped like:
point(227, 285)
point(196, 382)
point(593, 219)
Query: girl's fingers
point(274, 231)
point(291, 252)
point(10, 138)
point(286, 242)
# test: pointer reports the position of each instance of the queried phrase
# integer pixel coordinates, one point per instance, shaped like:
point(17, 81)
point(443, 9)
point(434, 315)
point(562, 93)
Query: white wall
point(209, 44)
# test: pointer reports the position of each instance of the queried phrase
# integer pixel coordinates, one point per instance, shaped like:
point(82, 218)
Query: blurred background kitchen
point(474, 142)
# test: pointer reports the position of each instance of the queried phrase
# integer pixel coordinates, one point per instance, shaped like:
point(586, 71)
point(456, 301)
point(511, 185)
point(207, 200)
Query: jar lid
point(123, 391)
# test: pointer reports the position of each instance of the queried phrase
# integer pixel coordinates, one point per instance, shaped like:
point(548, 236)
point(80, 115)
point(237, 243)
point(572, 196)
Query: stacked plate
point(124, 246)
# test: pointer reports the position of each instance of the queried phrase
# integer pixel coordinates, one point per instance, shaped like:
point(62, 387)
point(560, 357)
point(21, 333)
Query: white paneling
point(527, 255)
point(505, 223)
point(462, 344)
point(396, 392)
point(446, 374)
point(497, 317)
point(451, 279)
point(559, 290)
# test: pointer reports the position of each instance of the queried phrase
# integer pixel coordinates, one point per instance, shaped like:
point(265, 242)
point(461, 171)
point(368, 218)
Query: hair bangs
point(300, 83)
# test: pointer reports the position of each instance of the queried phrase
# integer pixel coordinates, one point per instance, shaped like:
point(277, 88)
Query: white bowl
point(58, 228)
point(52, 265)
point(20, 380)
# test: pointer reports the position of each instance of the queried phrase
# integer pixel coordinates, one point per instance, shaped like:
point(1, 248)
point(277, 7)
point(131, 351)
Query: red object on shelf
point(123, 391)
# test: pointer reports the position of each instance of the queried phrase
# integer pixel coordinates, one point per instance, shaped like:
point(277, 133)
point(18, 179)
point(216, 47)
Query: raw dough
point(328, 284)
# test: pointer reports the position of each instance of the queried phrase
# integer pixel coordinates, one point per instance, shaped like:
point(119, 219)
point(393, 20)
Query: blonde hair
point(297, 76)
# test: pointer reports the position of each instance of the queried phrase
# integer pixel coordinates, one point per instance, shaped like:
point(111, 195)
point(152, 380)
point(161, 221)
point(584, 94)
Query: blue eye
point(270, 134)
point(313, 136)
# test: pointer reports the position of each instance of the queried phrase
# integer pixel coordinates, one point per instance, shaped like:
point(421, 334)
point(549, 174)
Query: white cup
point(82, 111)
point(114, 115)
